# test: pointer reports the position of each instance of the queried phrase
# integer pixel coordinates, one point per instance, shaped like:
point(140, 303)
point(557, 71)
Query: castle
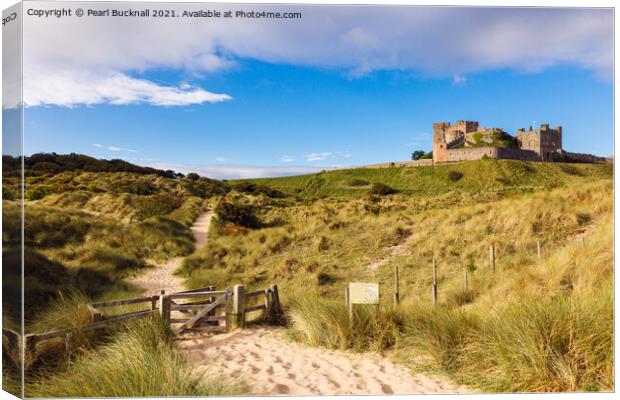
point(467, 140)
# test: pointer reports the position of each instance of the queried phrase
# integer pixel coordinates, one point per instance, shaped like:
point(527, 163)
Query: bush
point(192, 176)
point(455, 176)
point(9, 194)
point(358, 182)
point(37, 193)
point(158, 204)
point(381, 189)
point(236, 214)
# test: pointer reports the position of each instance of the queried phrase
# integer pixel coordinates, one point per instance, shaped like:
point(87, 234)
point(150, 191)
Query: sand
point(272, 365)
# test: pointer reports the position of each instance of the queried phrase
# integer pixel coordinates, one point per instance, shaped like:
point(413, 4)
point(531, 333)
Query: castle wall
point(517, 154)
point(477, 153)
point(583, 158)
point(464, 154)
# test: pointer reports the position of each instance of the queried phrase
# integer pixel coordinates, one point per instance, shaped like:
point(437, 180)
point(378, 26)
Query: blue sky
point(257, 113)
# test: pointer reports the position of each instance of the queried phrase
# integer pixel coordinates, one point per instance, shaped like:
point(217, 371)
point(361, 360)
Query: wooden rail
point(202, 310)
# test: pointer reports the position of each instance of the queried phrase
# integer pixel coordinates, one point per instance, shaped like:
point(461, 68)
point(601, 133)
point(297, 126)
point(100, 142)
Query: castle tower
point(439, 141)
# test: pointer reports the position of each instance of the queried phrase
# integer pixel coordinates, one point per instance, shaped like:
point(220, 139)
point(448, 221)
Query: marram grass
point(140, 361)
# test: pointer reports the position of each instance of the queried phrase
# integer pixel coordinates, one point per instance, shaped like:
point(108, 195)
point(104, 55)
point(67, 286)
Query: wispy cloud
point(72, 88)
point(459, 80)
point(318, 156)
point(287, 159)
point(240, 171)
point(114, 148)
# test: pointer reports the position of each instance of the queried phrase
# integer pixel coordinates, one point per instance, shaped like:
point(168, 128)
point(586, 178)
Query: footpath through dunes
point(162, 276)
point(272, 365)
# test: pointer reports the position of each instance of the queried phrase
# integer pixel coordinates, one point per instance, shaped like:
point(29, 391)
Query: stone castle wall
point(476, 153)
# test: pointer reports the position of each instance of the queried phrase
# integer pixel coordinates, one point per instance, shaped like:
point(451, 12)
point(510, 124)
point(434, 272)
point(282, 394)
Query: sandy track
point(273, 365)
point(162, 275)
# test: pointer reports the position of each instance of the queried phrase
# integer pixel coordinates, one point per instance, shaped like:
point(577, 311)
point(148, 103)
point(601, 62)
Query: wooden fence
point(198, 310)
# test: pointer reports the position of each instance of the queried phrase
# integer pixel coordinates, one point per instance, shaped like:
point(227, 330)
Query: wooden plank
point(255, 308)
point(203, 289)
point(255, 293)
point(115, 303)
point(190, 323)
point(206, 319)
point(98, 325)
point(196, 294)
point(185, 307)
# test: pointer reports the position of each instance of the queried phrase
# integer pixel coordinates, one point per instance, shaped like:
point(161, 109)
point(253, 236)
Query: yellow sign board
point(363, 293)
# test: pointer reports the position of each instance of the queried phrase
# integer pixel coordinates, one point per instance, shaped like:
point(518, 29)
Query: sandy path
point(162, 276)
point(393, 252)
point(271, 365)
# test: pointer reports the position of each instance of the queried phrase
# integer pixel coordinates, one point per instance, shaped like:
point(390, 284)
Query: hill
point(470, 176)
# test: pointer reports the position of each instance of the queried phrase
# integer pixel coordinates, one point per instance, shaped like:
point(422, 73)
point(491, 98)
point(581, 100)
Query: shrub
point(9, 194)
point(358, 182)
point(158, 204)
point(37, 193)
point(455, 176)
point(192, 176)
point(381, 189)
point(236, 214)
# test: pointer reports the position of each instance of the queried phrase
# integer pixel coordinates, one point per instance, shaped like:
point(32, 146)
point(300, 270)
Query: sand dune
point(272, 365)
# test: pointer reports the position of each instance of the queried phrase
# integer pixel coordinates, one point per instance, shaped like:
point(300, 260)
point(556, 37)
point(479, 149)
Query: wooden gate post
point(164, 307)
point(277, 308)
point(238, 312)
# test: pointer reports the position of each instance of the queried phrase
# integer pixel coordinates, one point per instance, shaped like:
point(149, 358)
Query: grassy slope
point(88, 232)
point(311, 248)
point(477, 176)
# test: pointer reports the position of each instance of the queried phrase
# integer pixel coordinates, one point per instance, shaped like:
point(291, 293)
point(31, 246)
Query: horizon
point(250, 98)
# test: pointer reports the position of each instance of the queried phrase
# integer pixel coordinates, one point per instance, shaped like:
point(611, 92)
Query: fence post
point(267, 306)
point(466, 281)
point(238, 313)
point(434, 288)
point(227, 321)
point(538, 249)
point(154, 302)
point(209, 301)
point(164, 307)
point(492, 256)
point(277, 308)
point(396, 285)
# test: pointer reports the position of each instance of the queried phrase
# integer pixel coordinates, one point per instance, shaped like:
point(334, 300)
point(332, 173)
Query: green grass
point(477, 176)
point(140, 361)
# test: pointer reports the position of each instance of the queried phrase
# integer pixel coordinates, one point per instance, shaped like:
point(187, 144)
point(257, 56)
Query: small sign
point(364, 293)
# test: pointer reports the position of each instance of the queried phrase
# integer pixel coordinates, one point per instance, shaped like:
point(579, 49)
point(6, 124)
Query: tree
point(193, 176)
point(416, 155)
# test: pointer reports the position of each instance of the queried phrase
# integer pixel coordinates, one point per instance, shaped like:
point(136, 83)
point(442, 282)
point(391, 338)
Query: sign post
point(361, 293)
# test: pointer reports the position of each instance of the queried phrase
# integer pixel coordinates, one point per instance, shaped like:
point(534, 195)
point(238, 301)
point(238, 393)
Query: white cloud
point(318, 156)
point(114, 148)
point(286, 158)
point(97, 145)
point(421, 39)
point(70, 89)
point(458, 80)
point(239, 171)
